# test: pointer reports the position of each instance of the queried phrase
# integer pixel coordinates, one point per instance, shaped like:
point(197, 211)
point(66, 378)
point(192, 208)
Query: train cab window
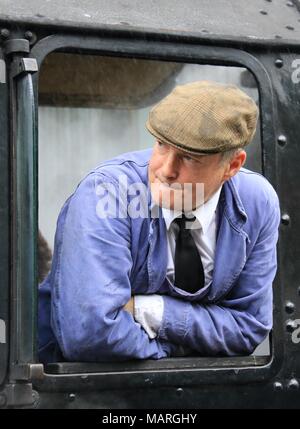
point(93, 108)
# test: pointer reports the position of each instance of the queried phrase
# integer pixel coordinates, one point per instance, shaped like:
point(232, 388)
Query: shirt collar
point(204, 214)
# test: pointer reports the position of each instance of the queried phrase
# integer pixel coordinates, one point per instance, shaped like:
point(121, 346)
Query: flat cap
point(204, 117)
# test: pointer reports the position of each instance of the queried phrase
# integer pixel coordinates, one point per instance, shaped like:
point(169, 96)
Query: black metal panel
point(286, 83)
point(251, 396)
point(221, 19)
point(229, 383)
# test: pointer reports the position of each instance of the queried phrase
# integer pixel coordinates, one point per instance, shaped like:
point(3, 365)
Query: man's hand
point(130, 306)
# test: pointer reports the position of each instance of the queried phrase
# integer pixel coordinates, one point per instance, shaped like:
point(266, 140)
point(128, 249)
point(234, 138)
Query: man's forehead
point(181, 152)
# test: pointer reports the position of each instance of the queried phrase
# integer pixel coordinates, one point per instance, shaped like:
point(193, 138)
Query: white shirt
point(148, 309)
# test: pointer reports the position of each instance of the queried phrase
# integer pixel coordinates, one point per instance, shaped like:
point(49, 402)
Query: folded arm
point(239, 322)
point(92, 285)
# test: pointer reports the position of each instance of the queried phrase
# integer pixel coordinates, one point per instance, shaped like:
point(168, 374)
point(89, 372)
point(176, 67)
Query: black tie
point(189, 272)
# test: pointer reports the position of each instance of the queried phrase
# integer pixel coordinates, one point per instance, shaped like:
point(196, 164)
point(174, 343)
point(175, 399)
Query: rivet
point(263, 12)
point(28, 35)
point(179, 391)
point(4, 33)
point(290, 4)
point(299, 290)
point(72, 397)
point(2, 400)
point(278, 37)
point(293, 384)
point(35, 398)
point(278, 63)
point(277, 386)
point(204, 31)
point(85, 378)
point(289, 307)
point(281, 140)
point(285, 219)
point(289, 27)
point(291, 325)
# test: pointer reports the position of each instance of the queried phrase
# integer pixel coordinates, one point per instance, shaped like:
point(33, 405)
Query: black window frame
point(173, 371)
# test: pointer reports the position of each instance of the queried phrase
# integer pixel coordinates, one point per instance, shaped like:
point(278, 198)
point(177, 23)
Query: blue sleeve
point(92, 284)
point(237, 324)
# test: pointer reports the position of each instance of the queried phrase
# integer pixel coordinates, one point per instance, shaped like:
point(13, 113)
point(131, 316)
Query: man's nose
point(169, 169)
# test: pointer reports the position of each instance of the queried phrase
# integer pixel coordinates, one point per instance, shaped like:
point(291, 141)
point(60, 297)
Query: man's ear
point(235, 164)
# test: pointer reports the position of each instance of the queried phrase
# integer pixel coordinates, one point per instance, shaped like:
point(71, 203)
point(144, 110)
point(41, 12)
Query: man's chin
point(171, 198)
point(160, 201)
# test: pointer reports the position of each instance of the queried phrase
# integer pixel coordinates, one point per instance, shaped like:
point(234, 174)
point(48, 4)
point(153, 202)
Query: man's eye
point(188, 158)
point(161, 146)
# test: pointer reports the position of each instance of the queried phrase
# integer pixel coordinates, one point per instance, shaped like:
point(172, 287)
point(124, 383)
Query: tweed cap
point(204, 117)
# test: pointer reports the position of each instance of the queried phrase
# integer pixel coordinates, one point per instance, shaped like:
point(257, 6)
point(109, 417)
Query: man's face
point(171, 168)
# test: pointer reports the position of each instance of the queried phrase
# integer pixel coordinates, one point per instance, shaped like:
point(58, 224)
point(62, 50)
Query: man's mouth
point(167, 185)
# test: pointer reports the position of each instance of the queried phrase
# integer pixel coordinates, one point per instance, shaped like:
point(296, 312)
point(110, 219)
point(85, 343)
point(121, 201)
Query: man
point(186, 269)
